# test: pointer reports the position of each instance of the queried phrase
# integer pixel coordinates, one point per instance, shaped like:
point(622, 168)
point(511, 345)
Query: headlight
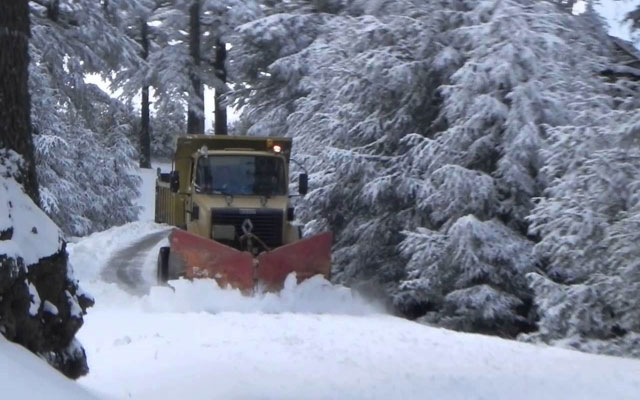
point(223, 232)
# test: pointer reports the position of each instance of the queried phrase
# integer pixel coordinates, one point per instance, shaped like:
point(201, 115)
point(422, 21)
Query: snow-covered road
point(125, 265)
point(312, 341)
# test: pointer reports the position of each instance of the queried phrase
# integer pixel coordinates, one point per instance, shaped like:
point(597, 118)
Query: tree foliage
point(475, 162)
point(588, 224)
point(432, 131)
point(82, 135)
point(170, 68)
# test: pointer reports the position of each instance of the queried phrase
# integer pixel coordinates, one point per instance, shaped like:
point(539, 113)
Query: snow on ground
point(306, 356)
point(22, 374)
point(25, 376)
point(313, 341)
point(90, 254)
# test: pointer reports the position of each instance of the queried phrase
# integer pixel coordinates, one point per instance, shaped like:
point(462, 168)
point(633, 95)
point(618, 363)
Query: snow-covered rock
point(39, 303)
point(27, 231)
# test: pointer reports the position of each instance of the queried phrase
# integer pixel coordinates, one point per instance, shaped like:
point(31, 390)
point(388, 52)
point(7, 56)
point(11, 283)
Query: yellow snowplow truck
point(228, 198)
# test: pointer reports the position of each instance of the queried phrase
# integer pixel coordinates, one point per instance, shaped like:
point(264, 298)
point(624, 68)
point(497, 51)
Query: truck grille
point(267, 224)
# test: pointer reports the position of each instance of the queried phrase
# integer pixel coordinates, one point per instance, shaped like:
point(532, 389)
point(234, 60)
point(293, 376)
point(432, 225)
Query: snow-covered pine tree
point(511, 71)
point(133, 17)
point(217, 21)
point(82, 136)
point(167, 122)
point(347, 82)
point(426, 119)
point(588, 223)
point(587, 295)
point(182, 56)
point(163, 120)
point(267, 84)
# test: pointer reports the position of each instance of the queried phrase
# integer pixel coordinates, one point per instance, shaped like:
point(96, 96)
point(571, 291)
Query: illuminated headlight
point(277, 148)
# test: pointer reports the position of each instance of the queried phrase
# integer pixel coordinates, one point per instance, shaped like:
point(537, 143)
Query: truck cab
point(233, 190)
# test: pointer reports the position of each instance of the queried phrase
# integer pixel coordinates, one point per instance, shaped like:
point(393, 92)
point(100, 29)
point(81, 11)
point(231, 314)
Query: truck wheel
point(163, 265)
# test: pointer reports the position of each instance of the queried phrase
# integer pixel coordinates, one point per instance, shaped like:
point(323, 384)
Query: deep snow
point(25, 376)
point(313, 341)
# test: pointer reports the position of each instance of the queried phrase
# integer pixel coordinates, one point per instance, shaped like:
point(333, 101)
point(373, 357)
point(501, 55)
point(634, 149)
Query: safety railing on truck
point(169, 206)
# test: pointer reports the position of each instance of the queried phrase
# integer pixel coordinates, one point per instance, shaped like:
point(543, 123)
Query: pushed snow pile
point(113, 265)
point(26, 230)
point(89, 254)
point(315, 296)
point(25, 376)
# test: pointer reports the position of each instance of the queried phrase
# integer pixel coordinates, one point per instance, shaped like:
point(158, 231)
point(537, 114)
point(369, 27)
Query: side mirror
point(174, 181)
point(303, 184)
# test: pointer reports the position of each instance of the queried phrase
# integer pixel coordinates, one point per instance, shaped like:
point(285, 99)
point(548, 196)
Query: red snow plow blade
point(198, 257)
point(306, 257)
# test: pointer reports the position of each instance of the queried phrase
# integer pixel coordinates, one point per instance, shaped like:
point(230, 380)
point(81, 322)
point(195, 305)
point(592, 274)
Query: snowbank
point(320, 356)
point(89, 254)
point(313, 296)
point(25, 376)
point(93, 253)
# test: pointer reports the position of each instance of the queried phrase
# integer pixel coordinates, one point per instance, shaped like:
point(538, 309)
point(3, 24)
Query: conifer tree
point(426, 127)
point(82, 136)
point(15, 107)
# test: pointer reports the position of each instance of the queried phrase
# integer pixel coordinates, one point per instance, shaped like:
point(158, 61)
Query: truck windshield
point(241, 175)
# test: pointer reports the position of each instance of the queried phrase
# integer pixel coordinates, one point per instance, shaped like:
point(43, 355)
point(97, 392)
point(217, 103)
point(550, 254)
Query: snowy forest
point(477, 161)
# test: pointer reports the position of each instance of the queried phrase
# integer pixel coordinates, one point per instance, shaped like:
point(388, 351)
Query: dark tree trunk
point(145, 131)
point(49, 336)
point(195, 117)
point(53, 10)
point(221, 73)
point(15, 108)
